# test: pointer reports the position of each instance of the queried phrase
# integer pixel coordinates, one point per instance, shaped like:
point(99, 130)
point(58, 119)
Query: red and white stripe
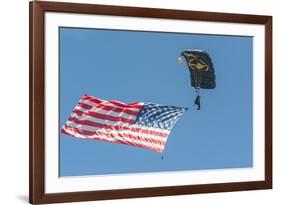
point(113, 121)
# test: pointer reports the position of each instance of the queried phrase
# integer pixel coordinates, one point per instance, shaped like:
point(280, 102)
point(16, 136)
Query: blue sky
point(134, 66)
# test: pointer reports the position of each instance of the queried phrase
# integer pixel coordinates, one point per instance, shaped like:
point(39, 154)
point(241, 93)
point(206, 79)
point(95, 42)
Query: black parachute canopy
point(201, 68)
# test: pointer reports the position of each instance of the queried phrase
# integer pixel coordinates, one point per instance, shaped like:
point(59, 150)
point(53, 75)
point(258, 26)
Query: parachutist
point(197, 102)
point(202, 72)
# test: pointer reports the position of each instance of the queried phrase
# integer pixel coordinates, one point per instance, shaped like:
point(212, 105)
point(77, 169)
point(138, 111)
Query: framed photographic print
point(138, 102)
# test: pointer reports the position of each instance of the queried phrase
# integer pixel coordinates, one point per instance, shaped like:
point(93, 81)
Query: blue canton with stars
point(159, 116)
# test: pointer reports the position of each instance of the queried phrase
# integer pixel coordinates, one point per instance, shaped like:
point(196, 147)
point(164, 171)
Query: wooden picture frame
point(38, 9)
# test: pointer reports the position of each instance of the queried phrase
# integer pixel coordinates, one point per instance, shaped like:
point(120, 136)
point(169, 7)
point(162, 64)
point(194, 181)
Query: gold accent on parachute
point(201, 65)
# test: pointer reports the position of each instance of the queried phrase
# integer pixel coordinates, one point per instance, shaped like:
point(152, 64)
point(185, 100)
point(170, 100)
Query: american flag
point(145, 125)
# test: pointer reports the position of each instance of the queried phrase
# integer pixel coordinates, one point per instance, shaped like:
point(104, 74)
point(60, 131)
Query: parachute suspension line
point(200, 78)
point(196, 80)
point(197, 90)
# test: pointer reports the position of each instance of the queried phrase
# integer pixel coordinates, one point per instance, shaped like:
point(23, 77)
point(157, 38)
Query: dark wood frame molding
point(37, 9)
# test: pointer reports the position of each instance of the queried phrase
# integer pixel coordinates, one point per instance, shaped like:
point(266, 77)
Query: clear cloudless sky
point(132, 66)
